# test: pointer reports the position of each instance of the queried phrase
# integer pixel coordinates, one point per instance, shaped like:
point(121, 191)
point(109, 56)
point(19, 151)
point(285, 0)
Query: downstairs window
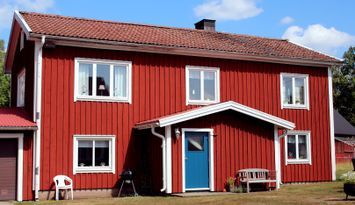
point(94, 154)
point(298, 148)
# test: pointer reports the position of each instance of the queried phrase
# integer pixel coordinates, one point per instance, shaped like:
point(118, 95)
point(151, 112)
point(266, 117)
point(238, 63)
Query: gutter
point(18, 128)
point(150, 48)
point(163, 157)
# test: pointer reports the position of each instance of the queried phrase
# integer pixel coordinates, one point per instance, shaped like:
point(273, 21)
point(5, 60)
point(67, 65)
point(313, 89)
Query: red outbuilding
point(344, 139)
point(184, 109)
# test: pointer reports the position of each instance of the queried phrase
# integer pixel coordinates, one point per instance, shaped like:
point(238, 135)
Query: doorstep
point(205, 193)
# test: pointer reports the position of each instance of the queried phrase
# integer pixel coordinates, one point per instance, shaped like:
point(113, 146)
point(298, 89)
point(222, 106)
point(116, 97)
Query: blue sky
point(324, 25)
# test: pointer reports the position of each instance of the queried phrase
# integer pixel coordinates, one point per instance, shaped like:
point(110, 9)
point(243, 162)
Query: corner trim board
point(331, 123)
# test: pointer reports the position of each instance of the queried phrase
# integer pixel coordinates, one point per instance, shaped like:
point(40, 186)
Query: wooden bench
point(253, 176)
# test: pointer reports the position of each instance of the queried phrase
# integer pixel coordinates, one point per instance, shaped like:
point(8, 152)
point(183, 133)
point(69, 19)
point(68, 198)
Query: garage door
point(8, 162)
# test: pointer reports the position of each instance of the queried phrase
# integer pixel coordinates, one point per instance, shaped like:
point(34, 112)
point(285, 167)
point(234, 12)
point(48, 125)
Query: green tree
point(344, 86)
point(4, 79)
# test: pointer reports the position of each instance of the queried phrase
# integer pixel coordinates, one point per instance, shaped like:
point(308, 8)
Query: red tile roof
point(62, 26)
point(15, 119)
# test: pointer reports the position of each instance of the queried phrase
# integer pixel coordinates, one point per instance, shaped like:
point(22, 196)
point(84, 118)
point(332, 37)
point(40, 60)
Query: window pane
point(291, 147)
point(120, 81)
point(101, 153)
point(84, 153)
point(287, 90)
point(195, 143)
point(85, 79)
point(209, 85)
point(302, 147)
point(103, 80)
point(195, 85)
point(21, 90)
point(299, 91)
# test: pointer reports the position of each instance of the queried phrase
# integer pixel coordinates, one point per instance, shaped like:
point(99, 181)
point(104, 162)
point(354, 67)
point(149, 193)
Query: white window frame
point(306, 91)
point(95, 169)
point(94, 97)
point(21, 102)
point(309, 150)
point(217, 86)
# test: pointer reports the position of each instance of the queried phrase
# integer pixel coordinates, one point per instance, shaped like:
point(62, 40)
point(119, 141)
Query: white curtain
point(84, 77)
point(120, 81)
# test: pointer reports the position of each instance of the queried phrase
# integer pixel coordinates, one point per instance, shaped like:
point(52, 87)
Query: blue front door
point(196, 160)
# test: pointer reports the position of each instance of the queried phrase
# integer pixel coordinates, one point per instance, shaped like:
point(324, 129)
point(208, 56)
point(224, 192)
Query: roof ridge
point(147, 25)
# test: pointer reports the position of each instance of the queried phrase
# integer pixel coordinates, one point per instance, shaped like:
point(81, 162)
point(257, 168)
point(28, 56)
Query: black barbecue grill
point(127, 178)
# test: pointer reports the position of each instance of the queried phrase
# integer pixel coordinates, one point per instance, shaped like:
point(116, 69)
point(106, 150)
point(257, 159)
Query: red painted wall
point(158, 90)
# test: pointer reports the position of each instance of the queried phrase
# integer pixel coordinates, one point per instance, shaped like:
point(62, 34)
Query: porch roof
point(15, 119)
point(211, 109)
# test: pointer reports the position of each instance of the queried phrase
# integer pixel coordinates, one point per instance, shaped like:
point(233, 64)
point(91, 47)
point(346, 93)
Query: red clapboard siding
point(158, 89)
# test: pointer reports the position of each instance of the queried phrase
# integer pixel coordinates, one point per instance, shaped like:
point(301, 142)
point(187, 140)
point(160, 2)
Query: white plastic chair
point(63, 182)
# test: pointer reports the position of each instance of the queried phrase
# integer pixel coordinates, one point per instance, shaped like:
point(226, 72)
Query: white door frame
point(211, 157)
point(19, 137)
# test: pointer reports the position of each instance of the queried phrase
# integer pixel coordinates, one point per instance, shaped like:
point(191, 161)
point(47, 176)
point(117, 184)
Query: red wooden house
point(183, 108)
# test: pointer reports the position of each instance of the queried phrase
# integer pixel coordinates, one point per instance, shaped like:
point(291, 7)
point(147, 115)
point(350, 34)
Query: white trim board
point(168, 160)
point(19, 137)
point(277, 157)
point(211, 157)
point(331, 123)
point(215, 108)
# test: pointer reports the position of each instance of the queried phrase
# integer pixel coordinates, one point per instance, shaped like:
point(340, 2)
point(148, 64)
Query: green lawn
point(316, 193)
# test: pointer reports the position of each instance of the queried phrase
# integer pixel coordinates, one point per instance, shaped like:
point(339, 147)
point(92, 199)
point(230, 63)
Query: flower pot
point(231, 188)
point(349, 190)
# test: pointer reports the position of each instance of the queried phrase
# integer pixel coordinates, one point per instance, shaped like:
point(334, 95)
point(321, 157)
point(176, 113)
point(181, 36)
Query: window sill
point(98, 99)
point(290, 162)
point(296, 107)
point(93, 170)
point(201, 102)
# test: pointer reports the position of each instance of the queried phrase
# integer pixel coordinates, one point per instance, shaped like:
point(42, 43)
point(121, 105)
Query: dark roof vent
point(206, 24)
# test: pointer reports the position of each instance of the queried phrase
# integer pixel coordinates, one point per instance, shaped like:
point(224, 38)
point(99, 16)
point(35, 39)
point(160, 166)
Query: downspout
point(37, 111)
point(163, 156)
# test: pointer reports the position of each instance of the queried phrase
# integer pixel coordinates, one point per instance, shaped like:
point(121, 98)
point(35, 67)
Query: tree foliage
point(4, 79)
point(344, 86)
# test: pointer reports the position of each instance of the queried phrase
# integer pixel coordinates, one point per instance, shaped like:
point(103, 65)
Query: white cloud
point(228, 9)
point(7, 9)
point(287, 20)
point(318, 37)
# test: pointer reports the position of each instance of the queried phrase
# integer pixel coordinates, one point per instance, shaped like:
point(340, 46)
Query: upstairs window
point(21, 82)
point(102, 80)
point(202, 85)
point(294, 91)
point(297, 147)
